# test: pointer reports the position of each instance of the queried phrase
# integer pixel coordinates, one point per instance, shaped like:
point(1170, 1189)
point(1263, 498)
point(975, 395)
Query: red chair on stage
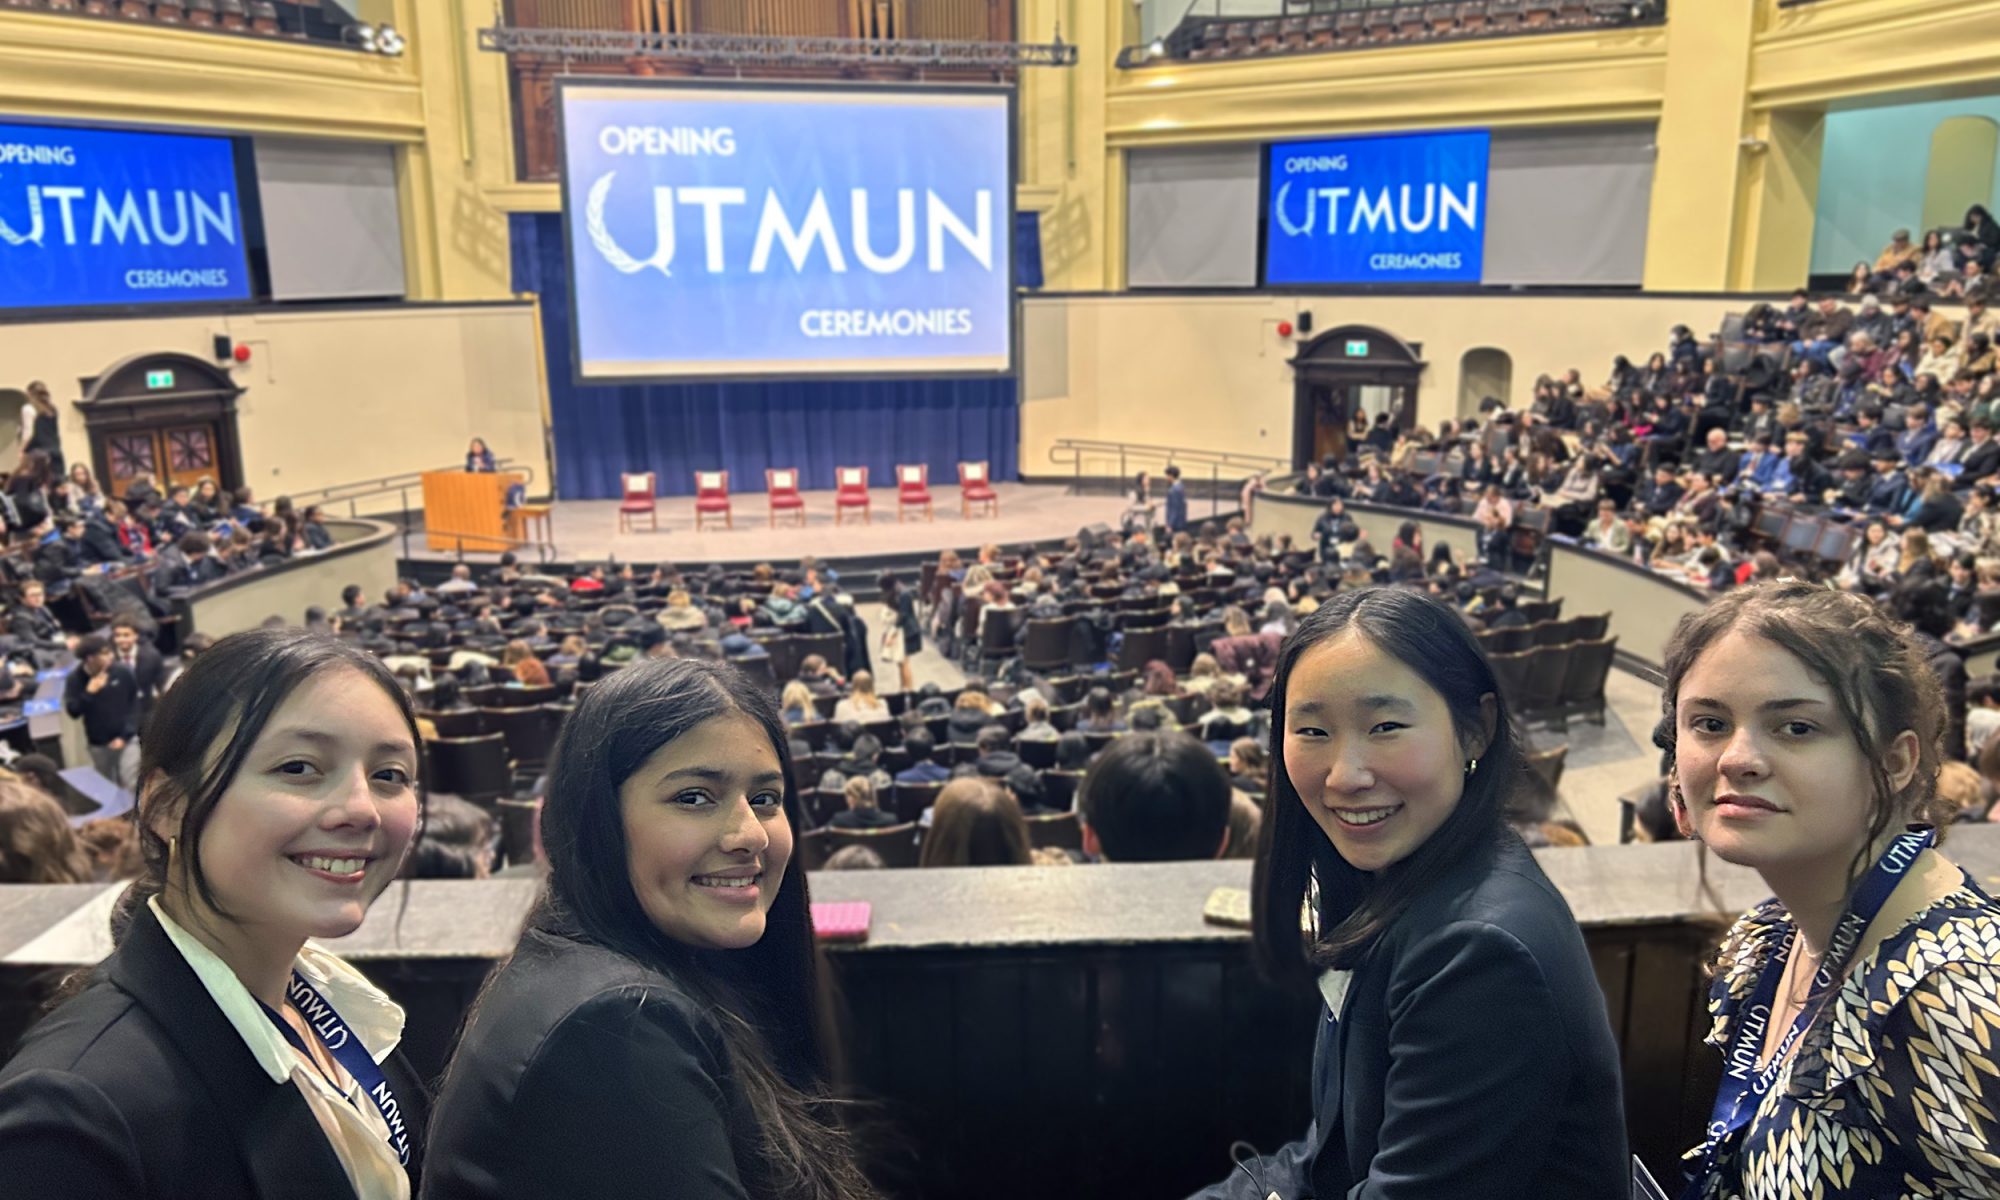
point(975, 486)
point(782, 484)
point(851, 491)
point(711, 496)
point(913, 488)
point(639, 498)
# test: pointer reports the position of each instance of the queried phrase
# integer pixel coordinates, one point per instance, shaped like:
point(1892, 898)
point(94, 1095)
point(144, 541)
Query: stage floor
point(587, 530)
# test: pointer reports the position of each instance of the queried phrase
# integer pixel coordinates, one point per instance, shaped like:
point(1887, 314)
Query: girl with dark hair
point(1465, 1050)
point(1857, 1008)
point(902, 635)
point(479, 459)
point(660, 1029)
point(217, 1053)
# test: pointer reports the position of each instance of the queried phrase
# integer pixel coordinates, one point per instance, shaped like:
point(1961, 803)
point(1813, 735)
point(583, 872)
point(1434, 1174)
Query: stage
point(587, 531)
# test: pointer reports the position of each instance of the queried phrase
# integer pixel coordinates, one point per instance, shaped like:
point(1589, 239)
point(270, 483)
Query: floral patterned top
point(1894, 1092)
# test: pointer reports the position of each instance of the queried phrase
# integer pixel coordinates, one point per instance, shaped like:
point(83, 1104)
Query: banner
point(109, 217)
point(1405, 208)
point(786, 231)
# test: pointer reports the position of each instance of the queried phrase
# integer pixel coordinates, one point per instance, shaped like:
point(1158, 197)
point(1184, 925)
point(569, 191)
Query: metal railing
point(1133, 456)
point(358, 490)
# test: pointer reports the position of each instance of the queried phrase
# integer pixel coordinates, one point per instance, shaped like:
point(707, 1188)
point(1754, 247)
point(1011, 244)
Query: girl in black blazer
point(216, 1055)
point(1464, 1049)
point(658, 1031)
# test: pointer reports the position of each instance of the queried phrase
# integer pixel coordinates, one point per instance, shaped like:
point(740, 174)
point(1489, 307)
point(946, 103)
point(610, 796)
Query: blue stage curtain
point(1028, 250)
point(675, 430)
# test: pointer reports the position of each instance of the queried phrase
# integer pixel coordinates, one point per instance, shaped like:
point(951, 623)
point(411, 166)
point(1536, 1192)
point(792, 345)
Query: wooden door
point(1330, 412)
point(127, 455)
point(189, 452)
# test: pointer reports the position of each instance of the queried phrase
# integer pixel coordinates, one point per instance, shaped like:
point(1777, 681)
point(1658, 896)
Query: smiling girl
point(659, 1030)
point(1464, 1049)
point(1858, 1008)
point(218, 1053)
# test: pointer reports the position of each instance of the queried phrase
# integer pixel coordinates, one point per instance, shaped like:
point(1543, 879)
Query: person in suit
point(138, 656)
point(1982, 455)
point(199, 564)
point(105, 697)
point(920, 745)
point(660, 1024)
point(1177, 517)
point(216, 1055)
point(32, 621)
point(1465, 1049)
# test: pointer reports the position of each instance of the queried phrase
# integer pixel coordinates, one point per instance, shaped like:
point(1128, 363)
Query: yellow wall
point(332, 396)
point(1210, 371)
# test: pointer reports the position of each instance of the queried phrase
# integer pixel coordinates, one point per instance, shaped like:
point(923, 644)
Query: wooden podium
point(465, 510)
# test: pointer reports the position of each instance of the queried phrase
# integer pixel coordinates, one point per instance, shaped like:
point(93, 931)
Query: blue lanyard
point(1744, 1086)
point(347, 1050)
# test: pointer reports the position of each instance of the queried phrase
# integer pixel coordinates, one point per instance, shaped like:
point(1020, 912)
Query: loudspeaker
point(1305, 322)
point(224, 348)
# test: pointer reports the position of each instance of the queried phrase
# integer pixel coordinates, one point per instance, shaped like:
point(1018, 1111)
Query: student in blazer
point(1463, 1048)
point(658, 1031)
point(186, 1066)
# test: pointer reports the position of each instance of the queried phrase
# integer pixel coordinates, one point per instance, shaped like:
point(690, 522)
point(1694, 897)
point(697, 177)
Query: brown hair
point(1881, 680)
point(36, 843)
point(976, 824)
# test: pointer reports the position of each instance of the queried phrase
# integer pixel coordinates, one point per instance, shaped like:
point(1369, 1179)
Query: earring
point(1471, 765)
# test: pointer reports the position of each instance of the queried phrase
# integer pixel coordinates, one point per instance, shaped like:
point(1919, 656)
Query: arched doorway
point(1481, 373)
point(1349, 369)
point(1960, 172)
point(171, 416)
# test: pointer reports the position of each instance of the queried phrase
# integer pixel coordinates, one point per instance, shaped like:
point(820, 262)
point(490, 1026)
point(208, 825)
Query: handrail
point(1214, 460)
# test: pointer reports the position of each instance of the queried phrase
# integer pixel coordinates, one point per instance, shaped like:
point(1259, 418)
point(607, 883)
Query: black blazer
point(139, 1087)
point(585, 1074)
point(1473, 1060)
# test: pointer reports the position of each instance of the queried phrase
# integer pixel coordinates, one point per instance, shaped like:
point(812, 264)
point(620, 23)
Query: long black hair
point(767, 997)
point(1355, 908)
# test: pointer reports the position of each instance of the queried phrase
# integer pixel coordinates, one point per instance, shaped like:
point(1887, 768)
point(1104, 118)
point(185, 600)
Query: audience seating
point(897, 844)
point(474, 768)
point(757, 667)
point(530, 734)
point(913, 489)
point(814, 845)
point(1046, 647)
point(460, 723)
point(711, 496)
point(1549, 765)
point(1063, 831)
point(1583, 679)
point(639, 498)
point(1059, 788)
point(909, 800)
point(781, 484)
point(520, 696)
point(975, 486)
point(851, 491)
point(519, 820)
point(1141, 646)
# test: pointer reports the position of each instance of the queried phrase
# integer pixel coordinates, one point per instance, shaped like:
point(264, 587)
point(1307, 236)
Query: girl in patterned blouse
point(1858, 1009)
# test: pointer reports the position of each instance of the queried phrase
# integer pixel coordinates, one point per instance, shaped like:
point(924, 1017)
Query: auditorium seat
point(1059, 788)
point(711, 496)
point(473, 768)
point(1550, 633)
point(1411, 26)
point(913, 489)
point(1039, 753)
point(1546, 666)
point(781, 485)
point(1060, 830)
point(897, 844)
point(851, 491)
point(264, 18)
point(1548, 764)
point(519, 821)
point(1589, 628)
point(459, 723)
point(1442, 16)
point(1583, 678)
point(201, 14)
point(975, 486)
point(1319, 31)
point(1511, 669)
point(1381, 24)
point(1141, 646)
point(515, 696)
point(529, 732)
point(830, 646)
point(814, 846)
point(1047, 645)
point(638, 498)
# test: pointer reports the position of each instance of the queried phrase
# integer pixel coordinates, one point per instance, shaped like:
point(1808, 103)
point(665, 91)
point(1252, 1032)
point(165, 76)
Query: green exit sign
point(155, 380)
point(1357, 349)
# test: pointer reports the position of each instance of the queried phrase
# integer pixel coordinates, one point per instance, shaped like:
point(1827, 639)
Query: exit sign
point(155, 380)
point(1357, 349)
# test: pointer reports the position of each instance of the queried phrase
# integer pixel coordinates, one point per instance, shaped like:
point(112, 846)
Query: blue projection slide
point(1405, 208)
point(766, 231)
point(107, 217)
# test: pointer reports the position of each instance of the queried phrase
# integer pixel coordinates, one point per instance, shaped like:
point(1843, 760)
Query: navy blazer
point(138, 1086)
point(1473, 1059)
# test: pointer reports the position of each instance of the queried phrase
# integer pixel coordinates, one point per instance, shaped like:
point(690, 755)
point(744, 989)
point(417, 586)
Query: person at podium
point(478, 459)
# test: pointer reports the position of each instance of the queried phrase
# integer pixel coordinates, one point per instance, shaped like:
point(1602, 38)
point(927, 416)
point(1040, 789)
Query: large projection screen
point(729, 231)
